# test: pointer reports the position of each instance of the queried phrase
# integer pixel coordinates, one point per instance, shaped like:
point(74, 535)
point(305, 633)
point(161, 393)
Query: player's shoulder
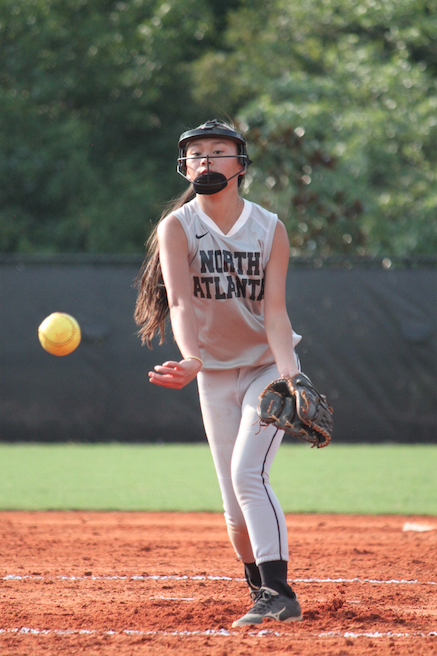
point(261, 213)
point(177, 218)
point(170, 228)
point(266, 220)
point(167, 222)
point(186, 211)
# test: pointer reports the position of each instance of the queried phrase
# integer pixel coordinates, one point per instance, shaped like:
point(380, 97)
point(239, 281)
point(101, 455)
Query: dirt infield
point(167, 583)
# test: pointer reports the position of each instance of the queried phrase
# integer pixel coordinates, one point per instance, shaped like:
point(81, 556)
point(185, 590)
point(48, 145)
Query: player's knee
point(235, 522)
point(247, 484)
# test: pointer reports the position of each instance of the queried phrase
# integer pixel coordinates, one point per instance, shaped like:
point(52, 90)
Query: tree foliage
point(337, 99)
point(93, 94)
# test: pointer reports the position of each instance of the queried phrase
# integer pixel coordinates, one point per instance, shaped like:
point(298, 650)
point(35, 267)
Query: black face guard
point(210, 182)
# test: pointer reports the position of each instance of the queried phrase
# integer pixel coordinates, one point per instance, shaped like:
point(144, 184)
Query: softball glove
point(294, 406)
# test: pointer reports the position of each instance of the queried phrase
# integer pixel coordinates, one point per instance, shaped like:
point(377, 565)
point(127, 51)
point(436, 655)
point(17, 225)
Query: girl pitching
point(218, 263)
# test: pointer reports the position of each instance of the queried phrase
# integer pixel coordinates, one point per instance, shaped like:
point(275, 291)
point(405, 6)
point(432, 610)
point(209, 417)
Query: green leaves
point(337, 98)
point(338, 104)
point(93, 94)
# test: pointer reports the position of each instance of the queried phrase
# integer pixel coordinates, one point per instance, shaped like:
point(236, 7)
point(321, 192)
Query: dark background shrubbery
point(337, 99)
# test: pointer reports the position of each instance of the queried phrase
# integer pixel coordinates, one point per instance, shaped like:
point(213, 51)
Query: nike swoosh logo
point(200, 236)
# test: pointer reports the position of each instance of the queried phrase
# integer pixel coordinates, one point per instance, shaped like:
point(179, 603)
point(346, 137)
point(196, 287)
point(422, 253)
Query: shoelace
point(263, 599)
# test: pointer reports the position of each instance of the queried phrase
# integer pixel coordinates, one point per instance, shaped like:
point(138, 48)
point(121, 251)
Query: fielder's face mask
point(211, 182)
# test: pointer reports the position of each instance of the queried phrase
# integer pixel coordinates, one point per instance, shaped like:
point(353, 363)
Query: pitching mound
point(164, 583)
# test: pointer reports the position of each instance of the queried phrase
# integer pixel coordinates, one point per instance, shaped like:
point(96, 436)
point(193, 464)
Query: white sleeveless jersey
point(227, 274)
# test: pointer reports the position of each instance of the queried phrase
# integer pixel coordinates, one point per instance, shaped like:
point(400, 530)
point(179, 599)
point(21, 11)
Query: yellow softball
point(59, 333)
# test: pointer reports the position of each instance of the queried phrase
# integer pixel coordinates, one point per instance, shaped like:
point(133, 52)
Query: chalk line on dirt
point(418, 528)
point(167, 577)
point(214, 632)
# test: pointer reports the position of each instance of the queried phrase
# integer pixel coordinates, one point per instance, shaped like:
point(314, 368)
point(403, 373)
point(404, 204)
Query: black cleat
point(269, 604)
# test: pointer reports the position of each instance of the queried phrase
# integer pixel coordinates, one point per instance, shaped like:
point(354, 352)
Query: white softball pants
point(242, 456)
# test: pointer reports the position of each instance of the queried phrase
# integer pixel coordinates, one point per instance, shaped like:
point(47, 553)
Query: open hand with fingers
point(175, 374)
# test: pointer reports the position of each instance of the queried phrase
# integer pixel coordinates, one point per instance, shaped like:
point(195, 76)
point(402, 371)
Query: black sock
point(253, 576)
point(274, 576)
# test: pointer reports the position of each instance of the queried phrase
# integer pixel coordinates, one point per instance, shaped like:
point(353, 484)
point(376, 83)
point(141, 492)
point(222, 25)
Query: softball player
point(217, 263)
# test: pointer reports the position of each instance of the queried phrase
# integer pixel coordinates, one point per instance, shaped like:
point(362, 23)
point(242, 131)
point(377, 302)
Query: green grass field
point(363, 479)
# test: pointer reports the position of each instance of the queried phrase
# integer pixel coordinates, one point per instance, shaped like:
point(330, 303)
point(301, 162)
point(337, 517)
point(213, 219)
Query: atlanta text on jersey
point(210, 287)
point(239, 264)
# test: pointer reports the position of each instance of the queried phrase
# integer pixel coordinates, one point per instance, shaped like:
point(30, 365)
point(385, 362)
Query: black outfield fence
point(369, 342)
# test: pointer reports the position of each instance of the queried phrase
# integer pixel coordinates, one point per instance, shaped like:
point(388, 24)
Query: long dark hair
point(151, 309)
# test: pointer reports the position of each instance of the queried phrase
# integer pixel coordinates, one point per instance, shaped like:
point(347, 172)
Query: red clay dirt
point(168, 583)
